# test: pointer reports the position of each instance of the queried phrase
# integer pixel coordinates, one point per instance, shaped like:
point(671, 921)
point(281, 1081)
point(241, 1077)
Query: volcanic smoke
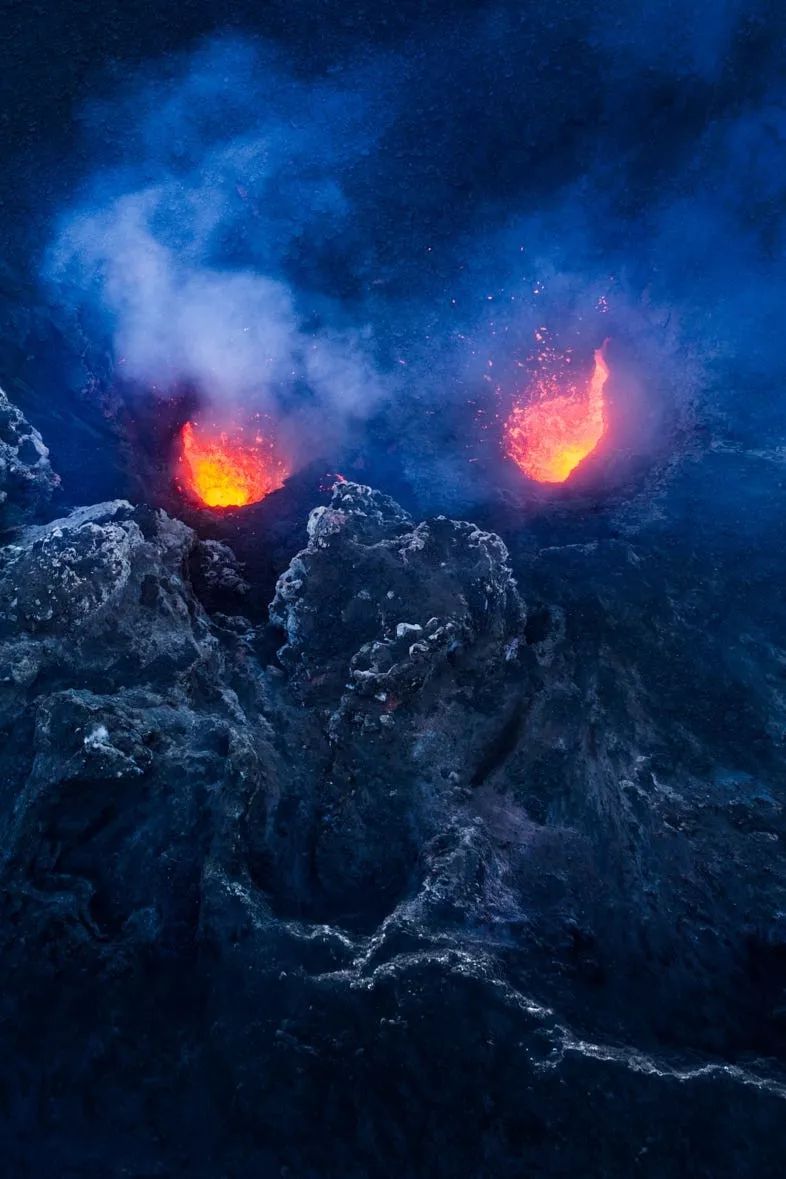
point(226, 471)
point(547, 439)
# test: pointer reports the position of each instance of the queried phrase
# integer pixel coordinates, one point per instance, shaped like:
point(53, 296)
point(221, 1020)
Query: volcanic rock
point(436, 891)
point(425, 706)
point(26, 476)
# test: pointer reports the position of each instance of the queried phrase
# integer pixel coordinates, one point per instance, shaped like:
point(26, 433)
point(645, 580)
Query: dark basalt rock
point(394, 634)
point(26, 476)
point(377, 576)
point(434, 892)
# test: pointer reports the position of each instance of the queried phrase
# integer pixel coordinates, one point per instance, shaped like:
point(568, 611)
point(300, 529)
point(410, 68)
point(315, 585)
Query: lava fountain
point(226, 470)
point(548, 438)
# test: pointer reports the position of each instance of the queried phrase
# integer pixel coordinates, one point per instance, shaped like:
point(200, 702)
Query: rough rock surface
point(434, 891)
point(26, 476)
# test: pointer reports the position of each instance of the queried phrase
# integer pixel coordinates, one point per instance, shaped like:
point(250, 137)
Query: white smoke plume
point(182, 247)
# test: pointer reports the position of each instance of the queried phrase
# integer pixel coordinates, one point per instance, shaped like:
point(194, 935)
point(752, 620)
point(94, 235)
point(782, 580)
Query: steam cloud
point(184, 250)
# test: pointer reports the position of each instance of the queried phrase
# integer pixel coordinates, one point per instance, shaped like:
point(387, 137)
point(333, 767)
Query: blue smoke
point(373, 245)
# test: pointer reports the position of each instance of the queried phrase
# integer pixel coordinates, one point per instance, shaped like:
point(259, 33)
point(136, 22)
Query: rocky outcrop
point(26, 476)
point(114, 689)
point(402, 638)
point(395, 593)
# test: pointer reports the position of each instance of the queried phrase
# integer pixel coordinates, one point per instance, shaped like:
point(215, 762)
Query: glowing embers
point(228, 470)
point(548, 437)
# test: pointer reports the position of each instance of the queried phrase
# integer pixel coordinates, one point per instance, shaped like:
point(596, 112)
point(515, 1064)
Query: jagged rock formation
point(430, 891)
point(26, 476)
point(402, 638)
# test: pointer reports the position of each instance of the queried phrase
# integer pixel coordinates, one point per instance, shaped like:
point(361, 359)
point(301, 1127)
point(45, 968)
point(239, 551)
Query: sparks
point(548, 438)
point(225, 471)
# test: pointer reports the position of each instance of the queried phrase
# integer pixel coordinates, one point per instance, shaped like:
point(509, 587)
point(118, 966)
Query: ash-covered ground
point(418, 820)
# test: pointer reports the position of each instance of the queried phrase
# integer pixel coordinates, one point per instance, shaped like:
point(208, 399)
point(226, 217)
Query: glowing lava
point(547, 439)
point(225, 471)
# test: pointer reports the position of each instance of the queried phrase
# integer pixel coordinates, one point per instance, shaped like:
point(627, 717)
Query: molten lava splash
point(225, 471)
point(547, 439)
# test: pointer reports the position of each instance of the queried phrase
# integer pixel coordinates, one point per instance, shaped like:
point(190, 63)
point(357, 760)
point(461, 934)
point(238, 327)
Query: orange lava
point(225, 471)
point(547, 439)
